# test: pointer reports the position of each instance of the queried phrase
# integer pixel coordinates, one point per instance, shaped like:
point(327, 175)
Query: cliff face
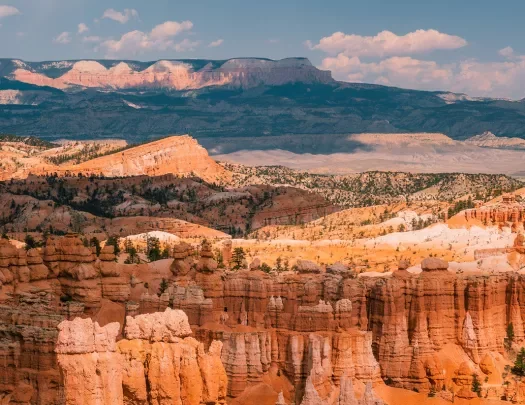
point(156, 363)
point(316, 329)
point(169, 74)
point(179, 155)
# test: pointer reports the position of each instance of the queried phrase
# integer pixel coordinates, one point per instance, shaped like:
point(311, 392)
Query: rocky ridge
point(164, 74)
point(177, 155)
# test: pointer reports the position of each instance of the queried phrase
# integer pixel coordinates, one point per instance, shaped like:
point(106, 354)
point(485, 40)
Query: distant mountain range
point(215, 100)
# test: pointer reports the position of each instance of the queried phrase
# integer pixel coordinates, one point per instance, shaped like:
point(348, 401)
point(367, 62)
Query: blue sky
point(465, 46)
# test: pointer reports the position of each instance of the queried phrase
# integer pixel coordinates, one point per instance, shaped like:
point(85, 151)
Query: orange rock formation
point(156, 363)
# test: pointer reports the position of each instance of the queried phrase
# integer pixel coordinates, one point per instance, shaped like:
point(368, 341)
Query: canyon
point(296, 335)
point(151, 274)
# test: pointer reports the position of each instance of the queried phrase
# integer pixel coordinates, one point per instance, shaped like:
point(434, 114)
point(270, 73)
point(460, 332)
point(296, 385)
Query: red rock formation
point(154, 364)
point(323, 325)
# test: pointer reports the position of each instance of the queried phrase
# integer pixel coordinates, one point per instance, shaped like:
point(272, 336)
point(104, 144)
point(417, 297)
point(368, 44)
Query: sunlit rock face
point(156, 362)
point(170, 74)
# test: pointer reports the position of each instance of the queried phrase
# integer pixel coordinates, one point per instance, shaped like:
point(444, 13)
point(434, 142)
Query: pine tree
point(30, 242)
point(476, 385)
point(94, 242)
point(154, 252)
point(278, 264)
point(238, 257)
point(163, 286)
point(519, 365)
point(113, 241)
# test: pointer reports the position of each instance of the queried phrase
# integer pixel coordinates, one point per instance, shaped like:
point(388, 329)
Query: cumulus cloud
point(216, 43)
point(82, 28)
point(386, 58)
point(170, 29)
point(507, 52)
point(120, 16)
point(186, 45)
point(63, 38)
point(387, 43)
point(8, 11)
point(160, 38)
point(488, 79)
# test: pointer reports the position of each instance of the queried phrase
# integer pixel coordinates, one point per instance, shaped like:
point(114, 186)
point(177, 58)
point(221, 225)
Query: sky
point(465, 46)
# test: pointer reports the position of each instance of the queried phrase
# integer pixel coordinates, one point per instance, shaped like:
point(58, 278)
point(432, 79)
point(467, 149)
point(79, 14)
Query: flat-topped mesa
point(168, 74)
point(154, 363)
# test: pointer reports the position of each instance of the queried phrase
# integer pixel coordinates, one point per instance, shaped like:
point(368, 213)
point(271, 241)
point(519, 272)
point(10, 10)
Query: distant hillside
point(373, 188)
point(27, 140)
point(237, 98)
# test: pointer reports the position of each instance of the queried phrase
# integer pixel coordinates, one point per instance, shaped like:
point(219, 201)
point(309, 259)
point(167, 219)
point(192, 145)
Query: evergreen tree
point(163, 286)
point(476, 385)
point(113, 241)
point(278, 264)
point(519, 365)
point(96, 243)
point(132, 256)
point(238, 258)
point(264, 267)
point(219, 258)
point(30, 242)
point(154, 252)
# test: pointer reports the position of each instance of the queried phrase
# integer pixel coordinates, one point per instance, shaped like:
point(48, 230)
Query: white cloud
point(489, 79)
point(401, 71)
point(216, 43)
point(186, 45)
point(387, 43)
point(63, 38)
point(82, 28)
point(120, 16)
point(160, 38)
point(507, 52)
point(170, 29)
point(7, 11)
point(274, 41)
point(91, 39)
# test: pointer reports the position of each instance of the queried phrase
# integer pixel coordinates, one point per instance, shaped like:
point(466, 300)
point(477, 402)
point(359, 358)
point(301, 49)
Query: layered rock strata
point(156, 363)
